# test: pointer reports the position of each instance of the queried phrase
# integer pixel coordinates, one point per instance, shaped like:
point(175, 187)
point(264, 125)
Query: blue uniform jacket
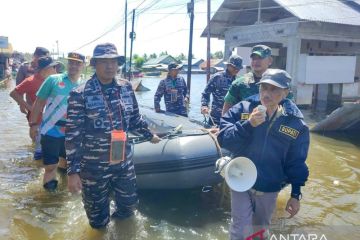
point(279, 151)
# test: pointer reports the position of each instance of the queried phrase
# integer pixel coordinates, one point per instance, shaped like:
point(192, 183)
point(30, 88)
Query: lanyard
point(107, 106)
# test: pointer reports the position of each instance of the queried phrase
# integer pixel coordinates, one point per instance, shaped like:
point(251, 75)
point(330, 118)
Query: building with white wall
point(317, 42)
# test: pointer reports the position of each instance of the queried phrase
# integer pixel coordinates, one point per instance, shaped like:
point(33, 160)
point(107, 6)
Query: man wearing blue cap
point(174, 90)
point(29, 87)
point(218, 86)
point(277, 141)
point(100, 114)
point(54, 93)
point(28, 68)
point(245, 85)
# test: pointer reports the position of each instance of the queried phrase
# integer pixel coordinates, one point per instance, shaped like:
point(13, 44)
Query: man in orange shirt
point(29, 87)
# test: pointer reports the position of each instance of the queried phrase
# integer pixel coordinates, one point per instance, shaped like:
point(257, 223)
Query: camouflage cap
point(276, 77)
point(174, 65)
point(106, 50)
point(235, 61)
point(262, 51)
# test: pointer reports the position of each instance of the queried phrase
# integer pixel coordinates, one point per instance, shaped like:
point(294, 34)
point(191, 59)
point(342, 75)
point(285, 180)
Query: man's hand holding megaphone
point(258, 116)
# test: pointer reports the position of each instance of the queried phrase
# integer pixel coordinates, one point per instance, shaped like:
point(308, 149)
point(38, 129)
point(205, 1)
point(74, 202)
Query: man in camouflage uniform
point(174, 90)
point(218, 86)
point(97, 109)
point(245, 85)
point(27, 69)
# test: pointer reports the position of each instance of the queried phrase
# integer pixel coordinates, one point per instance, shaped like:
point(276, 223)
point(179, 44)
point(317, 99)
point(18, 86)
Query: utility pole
point(259, 13)
point(208, 41)
point(190, 8)
point(57, 47)
point(132, 37)
point(125, 38)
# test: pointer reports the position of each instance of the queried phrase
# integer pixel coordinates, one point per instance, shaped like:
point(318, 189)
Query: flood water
point(330, 205)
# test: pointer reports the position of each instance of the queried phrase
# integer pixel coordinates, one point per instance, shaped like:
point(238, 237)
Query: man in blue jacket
point(276, 141)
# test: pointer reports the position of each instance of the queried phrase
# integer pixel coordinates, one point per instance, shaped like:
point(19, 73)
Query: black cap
point(276, 77)
point(41, 51)
point(45, 62)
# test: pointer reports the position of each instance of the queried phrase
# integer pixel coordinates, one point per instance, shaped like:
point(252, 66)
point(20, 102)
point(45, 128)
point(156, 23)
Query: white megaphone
point(240, 173)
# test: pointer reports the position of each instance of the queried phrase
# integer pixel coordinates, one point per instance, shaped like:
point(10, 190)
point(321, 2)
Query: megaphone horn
point(240, 173)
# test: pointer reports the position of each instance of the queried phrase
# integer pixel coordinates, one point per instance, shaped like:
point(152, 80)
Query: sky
point(162, 25)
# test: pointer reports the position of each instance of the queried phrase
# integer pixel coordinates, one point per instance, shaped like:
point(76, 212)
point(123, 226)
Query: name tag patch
point(289, 131)
point(94, 102)
point(244, 116)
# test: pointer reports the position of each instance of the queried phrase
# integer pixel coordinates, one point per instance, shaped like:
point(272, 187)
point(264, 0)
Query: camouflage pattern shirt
point(218, 86)
point(243, 87)
point(93, 112)
point(174, 91)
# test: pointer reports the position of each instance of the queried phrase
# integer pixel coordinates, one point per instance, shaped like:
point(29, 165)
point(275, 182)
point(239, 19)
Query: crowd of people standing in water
point(81, 127)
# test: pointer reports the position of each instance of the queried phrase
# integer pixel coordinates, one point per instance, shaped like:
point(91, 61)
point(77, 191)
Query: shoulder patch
point(244, 116)
point(289, 131)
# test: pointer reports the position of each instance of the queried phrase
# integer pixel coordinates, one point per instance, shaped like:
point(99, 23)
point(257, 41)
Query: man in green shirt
point(245, 86)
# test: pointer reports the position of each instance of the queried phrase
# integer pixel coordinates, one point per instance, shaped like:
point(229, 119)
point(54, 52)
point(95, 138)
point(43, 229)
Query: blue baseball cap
point(276, 77)
point(106, 50)
point(235, 61)
point(41, 52)
point(45, 62)
point(262, 51)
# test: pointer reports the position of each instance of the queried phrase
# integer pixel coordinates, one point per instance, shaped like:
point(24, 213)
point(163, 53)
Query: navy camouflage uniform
point(88, 136)
point(174, 91)
point(218, 86)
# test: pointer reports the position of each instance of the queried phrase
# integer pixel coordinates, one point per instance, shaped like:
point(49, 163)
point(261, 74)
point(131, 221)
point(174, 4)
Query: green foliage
point(139, 61)
point(181, 57)
point(153, 55)
point(218, 55)
point(163, 53)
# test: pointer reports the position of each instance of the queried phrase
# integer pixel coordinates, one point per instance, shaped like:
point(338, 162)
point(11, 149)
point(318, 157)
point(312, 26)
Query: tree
point(181, 57)
point(163, 53)
point(218, 55)
point(135, 56)
point(153, 55)
point(145, 57)
point(139, 61)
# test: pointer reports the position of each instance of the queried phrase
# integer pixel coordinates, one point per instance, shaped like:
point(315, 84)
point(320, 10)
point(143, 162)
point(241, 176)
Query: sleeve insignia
point(289, 131)
point(244, 116)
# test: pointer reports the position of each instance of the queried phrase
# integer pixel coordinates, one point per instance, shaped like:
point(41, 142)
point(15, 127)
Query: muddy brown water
point(331, 203)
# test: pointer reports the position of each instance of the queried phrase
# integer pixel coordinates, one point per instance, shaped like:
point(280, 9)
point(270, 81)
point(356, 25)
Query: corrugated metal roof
point(233, 13)
point(333, 11)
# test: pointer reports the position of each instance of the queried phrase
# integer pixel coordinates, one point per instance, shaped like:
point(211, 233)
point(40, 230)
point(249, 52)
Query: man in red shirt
point(29, 87)
point(28, 68)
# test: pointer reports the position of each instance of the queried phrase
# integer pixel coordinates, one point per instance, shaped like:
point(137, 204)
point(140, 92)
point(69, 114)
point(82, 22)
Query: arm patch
point(289, 131)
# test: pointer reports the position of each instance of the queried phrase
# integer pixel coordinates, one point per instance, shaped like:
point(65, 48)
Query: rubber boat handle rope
point(171, 133)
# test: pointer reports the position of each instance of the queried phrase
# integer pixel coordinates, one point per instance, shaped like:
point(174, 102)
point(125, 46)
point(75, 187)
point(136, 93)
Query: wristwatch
point(297, 196)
